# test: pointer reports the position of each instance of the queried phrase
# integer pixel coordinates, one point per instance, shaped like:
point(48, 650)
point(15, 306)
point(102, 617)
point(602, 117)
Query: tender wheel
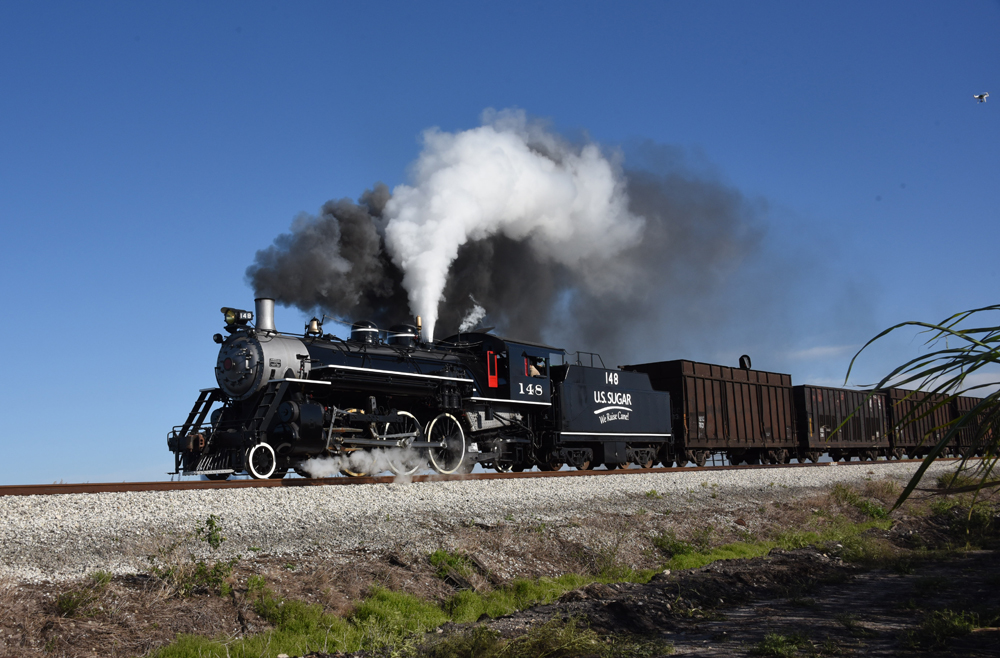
point(777, 456)
point(585, 466)
point(261, 461)
point(550, 466)
point(405, 461)
point(218, 476)
point(447, 430)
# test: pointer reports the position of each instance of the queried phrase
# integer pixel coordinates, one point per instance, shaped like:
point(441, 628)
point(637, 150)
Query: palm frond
point(941, 374)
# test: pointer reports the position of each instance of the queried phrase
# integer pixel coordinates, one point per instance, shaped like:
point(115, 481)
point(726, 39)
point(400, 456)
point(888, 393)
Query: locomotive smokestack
point(265, 314)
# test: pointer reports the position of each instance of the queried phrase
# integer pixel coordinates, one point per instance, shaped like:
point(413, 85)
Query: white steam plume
point(367, 462)
point(473, 317)
point(512, 177)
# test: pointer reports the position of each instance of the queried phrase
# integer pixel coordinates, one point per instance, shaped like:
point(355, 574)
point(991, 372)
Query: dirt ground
point(832, 606)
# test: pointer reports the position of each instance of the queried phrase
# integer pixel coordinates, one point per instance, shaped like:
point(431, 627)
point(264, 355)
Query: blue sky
point(149, 149)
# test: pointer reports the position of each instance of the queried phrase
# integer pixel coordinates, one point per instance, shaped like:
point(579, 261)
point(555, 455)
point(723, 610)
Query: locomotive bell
point(314, 328)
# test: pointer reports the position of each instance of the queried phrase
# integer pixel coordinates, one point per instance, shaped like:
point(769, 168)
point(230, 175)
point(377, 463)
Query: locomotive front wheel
point(261, 461)
point(447, 430)
point(405, 461)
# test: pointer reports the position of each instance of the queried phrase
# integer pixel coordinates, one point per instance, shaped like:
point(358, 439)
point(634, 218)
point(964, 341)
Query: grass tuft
point(554, 639)
point(780, 646)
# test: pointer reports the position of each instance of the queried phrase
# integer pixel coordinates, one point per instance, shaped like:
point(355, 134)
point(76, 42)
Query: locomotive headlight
point(235, 316)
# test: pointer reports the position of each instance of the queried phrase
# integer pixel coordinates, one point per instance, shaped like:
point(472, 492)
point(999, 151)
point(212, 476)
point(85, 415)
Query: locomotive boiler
point(285, 399)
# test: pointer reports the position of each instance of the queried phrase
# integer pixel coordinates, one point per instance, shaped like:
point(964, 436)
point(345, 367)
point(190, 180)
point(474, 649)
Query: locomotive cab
point(505, 370)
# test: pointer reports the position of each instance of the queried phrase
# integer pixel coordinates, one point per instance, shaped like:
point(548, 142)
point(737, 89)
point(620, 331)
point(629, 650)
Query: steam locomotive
point(284, 399)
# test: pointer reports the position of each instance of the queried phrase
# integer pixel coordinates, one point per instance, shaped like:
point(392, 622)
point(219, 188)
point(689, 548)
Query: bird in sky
point(981, 97)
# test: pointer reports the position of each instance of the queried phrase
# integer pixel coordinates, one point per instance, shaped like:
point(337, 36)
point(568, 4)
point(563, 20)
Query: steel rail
point(181, 485)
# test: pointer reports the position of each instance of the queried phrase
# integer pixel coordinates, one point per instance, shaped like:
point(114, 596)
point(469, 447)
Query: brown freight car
point(967, 443)
point(820, 411)
point(744, 413)
point(912, 431)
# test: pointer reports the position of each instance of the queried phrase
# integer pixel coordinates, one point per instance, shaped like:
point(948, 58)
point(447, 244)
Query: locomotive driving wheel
point(261, 461)
point(446, 430)
point(345, 470)
point(405, 461)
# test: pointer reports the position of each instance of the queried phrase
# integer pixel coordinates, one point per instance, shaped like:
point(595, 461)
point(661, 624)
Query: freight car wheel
point(261, 461)
point(898, 453)
point(405, 462)
point(812, 456)
point(700, 457)
point(447, 430)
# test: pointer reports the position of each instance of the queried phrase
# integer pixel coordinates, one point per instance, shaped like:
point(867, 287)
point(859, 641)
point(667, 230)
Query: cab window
point(536, 367)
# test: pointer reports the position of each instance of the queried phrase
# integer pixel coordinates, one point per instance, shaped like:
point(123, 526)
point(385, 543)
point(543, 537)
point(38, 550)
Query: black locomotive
point(285, 399)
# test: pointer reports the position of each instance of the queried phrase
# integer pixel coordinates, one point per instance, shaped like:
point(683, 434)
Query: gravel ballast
point(67, 536)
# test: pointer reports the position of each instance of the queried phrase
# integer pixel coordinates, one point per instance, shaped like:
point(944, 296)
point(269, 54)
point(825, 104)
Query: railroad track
point(107, 487)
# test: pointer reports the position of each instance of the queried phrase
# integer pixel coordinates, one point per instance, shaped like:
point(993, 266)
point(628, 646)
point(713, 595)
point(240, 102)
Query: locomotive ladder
point(199, 411)
point(266, 408)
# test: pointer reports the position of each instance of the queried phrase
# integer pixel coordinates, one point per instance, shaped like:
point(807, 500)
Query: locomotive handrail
point(579, 361)
point(394, 372)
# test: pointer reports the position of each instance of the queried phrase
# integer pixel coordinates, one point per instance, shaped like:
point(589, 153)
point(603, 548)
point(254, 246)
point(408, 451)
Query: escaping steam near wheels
point(514, 226)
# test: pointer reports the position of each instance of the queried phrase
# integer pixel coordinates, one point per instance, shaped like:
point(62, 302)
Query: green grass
point(938, 627)
point(848, 496)
point(780, 646)
point(384, 618)
point(447, 561)
point(77, 602)
point(857, 547)
point(469, 606)
point(398, 621)
point(554, 639)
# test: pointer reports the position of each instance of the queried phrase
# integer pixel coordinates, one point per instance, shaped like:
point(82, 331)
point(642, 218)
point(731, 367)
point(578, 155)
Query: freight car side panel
point(599, 404)
point(910, 432)
point(721, 408)
point(967, 441)
point(820, 410)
